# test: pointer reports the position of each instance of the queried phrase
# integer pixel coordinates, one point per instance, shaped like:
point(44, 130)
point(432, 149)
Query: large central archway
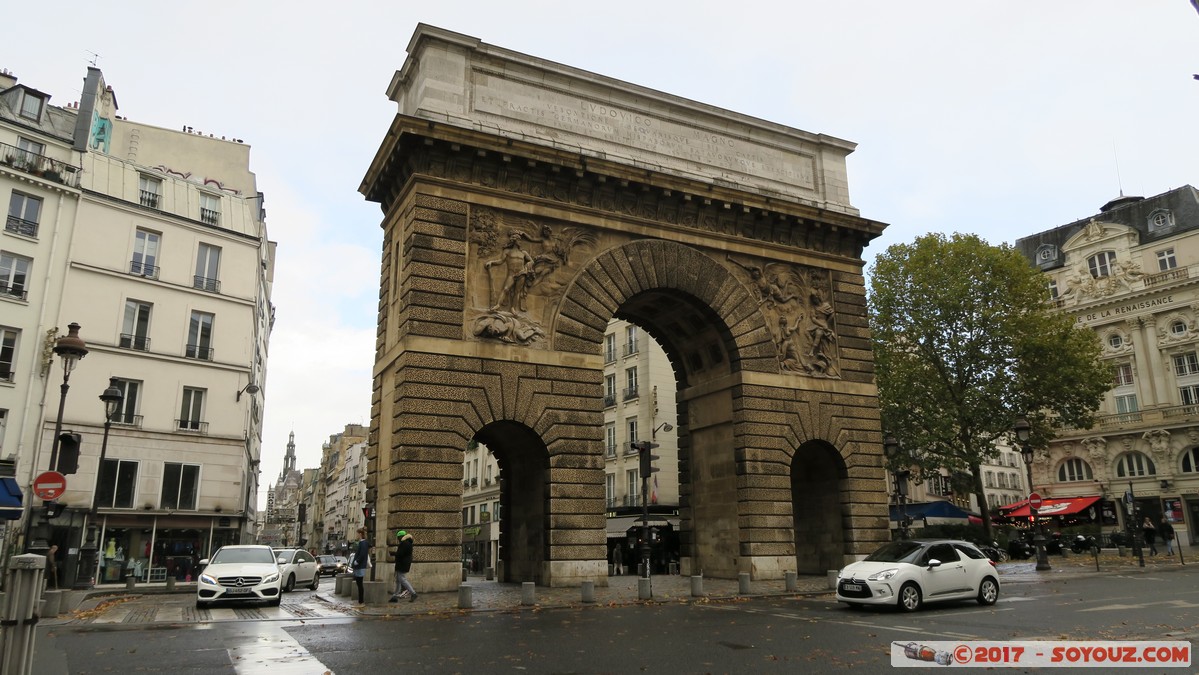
point(522, 213)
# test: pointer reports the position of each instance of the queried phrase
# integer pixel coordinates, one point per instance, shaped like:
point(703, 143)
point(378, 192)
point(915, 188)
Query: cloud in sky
point(996, 118)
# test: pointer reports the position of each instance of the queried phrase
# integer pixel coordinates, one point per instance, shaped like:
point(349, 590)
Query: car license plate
point(238, 591)
point(851, 587)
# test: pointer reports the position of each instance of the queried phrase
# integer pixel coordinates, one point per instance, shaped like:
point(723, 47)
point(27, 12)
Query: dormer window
point(31, 106)
point(1100, 264)
point(1161, 219)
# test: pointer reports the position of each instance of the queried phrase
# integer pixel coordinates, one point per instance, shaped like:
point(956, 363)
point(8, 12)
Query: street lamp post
point(71, 348)
point(112, 398)
point(1023, 434)
point(891, 451)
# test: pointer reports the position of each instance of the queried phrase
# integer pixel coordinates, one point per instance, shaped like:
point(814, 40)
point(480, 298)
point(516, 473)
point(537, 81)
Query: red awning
point(1061, 506)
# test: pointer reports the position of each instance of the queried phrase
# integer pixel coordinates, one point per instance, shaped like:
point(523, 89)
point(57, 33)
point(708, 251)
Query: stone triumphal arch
point(525, 204)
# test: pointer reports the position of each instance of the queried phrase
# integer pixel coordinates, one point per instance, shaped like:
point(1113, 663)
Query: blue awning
point(929, 510)
point(10, 499)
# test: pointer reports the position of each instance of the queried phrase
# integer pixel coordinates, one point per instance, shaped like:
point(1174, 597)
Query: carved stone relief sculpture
point(520, 277)
point(1159, 443)
point(1096, 449)
point(795, 302)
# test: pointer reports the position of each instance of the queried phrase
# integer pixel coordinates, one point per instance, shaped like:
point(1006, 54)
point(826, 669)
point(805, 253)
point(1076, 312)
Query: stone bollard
point(697, 586)
point(130, 583)
point(791, 581)
point(53, 605)
point(344, 582)
point(645, 589)
point(171, 583)
point(743, 583)
point(673, 568)
point(528, 593)
point(465, 599)
point(588, 589)
point(490, 573)
point(464, 574)
point(1120, 551)
point(832, 578)
point(23, 585)
point(374, 592)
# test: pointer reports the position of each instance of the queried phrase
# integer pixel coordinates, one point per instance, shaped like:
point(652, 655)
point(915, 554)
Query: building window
point(1160, 220)
point(1189, 394)
point(1074, 469)
point(136, 329)
point(131, 393)
point(632, 478)
point(29, 154)
point(609, 391)
point(31, 105)
point(989, 479)
point(8, 353)
point(1053, 289)
point(192, 410)
point(1190, 461)
point(1178, 328)
point(1115, 341)
point(199, 336)
point(1122, 375)
point(1133, 464)
point(145, 254)
point(210, 209)
point(149, 191)
point(610, 488)
point(630, 340)
point(631, 425)
point(1100, 264)
point(630, 379)
point(14, 275)
point(118, 483)
point(610, 438)
point(1166, 260)
point(24, 212)
point(180, 486)
point(1126, 404)
point(609, 348)
point(208, 267)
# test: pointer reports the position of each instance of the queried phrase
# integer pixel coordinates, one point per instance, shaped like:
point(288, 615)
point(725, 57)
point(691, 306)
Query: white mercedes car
point(298, 567)
point(911, 572)
point(241, 573)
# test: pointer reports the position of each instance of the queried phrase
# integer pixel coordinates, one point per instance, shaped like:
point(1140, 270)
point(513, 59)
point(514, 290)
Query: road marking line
point(276, 652)
point(169, 614)
point(114, 615)
point(222, 614)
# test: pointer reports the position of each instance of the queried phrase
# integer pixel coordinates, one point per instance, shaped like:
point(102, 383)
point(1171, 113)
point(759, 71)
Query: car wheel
point(316, 582)
point(909, 597)
point(291, 584)
point(988, 592)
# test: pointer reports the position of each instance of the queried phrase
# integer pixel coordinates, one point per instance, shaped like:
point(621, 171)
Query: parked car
point(332, 564)
point(242, 573)
point(298, 567)
point(911, 572)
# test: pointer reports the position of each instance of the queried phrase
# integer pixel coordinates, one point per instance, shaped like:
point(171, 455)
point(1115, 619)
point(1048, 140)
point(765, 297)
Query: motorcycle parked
point(1084, 544)
point(1054, 544)
point(1018, 548)
point(993, 552)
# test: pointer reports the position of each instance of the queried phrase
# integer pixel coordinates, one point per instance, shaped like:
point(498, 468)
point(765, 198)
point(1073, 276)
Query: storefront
point(155, 548)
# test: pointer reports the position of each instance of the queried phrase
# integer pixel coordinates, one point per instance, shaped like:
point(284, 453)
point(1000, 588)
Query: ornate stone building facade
point(526, 204)
point(1125, 273)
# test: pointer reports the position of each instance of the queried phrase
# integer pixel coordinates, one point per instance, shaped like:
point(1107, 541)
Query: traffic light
point(303, 513)
point(68, 453)
point(647, 459)
point(52, 509)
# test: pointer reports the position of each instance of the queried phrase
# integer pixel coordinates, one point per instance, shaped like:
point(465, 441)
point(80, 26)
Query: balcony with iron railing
point(195, 426)
point(210, 216)
point(632, 500)
point(206, 284)
point(148, 198)
point(1176, 414)
point(630, 392)
point(201, 352)
point(25, 228)
point(17, 291)
point(139, 342)
point(610, 450)
point(609, 355)
point(39, 165)
point(609, 400)
point(141, 269)
point(630, 349)
point(127, 420)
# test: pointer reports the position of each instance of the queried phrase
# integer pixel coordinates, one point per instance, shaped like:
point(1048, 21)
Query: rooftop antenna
point(95, 57)
point(1119, 180)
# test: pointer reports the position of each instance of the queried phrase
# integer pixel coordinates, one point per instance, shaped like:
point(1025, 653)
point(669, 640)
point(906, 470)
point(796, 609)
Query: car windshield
point(226, 556)
point(896, 551)
point(284, 556)
point(326, 559)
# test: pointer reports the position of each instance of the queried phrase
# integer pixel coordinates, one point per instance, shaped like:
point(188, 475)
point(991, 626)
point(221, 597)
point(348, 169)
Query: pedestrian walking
point(1167, 532)
point(617, 561)
point(1150, 535)
point(403, 552)
point(52, 566)
point(361, 563)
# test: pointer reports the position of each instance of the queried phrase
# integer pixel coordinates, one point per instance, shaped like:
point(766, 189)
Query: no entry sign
point(49, 485)
point(1034, 500)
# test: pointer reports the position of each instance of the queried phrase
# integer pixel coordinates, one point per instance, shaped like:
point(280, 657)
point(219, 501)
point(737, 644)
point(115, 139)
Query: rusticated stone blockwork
point(520, 217)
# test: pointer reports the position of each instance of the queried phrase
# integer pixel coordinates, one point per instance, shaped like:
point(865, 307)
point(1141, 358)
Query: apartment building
point(153, 241)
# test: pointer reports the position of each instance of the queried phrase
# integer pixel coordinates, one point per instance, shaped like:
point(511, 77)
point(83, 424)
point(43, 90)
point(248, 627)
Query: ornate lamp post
point(1023, 434)
point(891, 451)
point(112, 398)
point(70, 348)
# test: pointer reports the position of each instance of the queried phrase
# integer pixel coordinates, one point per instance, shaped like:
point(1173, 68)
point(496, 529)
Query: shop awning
point(10, 499)
point(927, 510)
point(1059, 506)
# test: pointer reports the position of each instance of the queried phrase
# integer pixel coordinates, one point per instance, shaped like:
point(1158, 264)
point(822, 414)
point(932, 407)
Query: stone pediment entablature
point(1098, 236)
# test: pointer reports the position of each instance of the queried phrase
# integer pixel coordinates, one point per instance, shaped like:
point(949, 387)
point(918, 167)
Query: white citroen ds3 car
point(909, 573)
point(239, 573)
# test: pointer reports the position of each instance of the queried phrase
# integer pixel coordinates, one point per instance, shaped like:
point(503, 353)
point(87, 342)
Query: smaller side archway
point(523, 461)
point(818, 475)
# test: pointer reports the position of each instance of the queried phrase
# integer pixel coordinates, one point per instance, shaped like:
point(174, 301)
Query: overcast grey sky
point(998, 118)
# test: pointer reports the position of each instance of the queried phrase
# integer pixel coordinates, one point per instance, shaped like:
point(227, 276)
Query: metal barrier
point(20, 616)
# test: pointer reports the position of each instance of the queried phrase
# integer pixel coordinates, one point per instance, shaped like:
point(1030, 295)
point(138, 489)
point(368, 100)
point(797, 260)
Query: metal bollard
point(743, 583)
point(832, 578)
point(465, 597)
point(791, 579)
point(588, 589)
point(645, 589)
point(24, 584)
point(130, 583)
point(697, 586)
point(464, 574)
point(171, 583)
point(490, 573)
point(528, 593)
point(53, 606)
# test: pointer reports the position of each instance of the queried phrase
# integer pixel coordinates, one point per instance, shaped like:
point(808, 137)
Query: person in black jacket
point(403, 555)
point(361, 562)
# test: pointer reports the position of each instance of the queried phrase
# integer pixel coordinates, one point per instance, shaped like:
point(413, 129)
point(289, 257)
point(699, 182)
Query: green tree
point(965, 343)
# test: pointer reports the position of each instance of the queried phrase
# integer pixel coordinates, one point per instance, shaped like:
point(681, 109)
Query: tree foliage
point(965, 343)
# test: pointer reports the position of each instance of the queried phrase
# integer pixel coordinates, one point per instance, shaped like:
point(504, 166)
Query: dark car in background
point(332, 564)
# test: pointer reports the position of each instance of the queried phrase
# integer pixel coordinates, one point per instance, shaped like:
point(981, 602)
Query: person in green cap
point(403, 555)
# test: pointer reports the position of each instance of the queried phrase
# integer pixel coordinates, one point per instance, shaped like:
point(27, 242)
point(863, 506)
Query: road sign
point(49, 485)
point(1034, 500)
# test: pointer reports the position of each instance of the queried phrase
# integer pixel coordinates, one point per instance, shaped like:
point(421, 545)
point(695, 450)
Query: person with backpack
point(403, 555)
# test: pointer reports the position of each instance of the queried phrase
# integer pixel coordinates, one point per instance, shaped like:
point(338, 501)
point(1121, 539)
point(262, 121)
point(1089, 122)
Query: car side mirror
point(204, 562)
point(934, 563)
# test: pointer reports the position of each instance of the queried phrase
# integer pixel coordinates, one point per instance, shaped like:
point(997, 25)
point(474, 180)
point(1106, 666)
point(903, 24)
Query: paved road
point(765, 634)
